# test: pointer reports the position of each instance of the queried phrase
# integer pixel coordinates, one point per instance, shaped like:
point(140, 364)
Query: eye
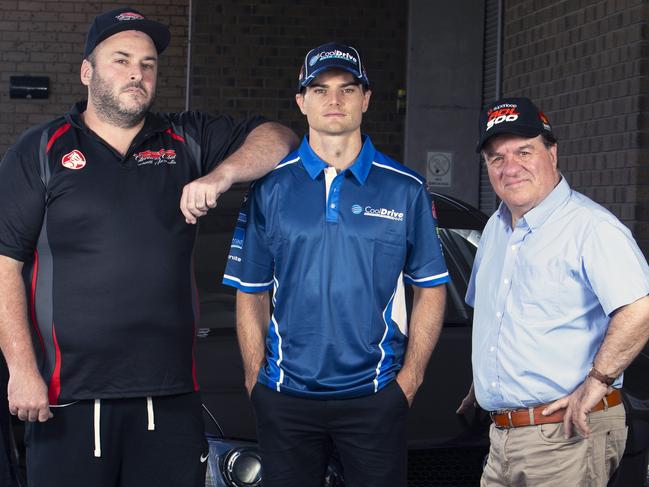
point(148, 66)
point(496, 161)
point(121, 61)
point(319, 91)
point(349, 90)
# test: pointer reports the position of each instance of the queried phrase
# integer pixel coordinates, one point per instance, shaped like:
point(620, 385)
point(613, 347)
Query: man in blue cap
point(90, 217)
point(334, 231)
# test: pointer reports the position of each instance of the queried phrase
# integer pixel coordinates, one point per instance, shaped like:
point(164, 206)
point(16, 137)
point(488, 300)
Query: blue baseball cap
point(328, 56)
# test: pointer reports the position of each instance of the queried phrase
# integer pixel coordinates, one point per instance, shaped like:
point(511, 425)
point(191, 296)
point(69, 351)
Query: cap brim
point(158, 33)
point(522, 130)
point(314, 74)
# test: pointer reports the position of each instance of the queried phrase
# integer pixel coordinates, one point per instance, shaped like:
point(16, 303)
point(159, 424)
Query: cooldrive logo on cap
point(336, 54)
point(129, 16)
point(507, 112)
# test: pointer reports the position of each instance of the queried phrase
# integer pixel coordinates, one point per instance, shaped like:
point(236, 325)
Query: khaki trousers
point(539, 456)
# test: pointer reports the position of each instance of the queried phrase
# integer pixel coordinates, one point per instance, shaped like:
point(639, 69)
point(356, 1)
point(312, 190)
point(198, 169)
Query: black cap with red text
point(517, 116)
point(121, 19)
point(328, 56)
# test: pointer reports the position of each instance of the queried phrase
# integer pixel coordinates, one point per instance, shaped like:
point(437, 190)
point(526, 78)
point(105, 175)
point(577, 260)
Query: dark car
point(445, 449)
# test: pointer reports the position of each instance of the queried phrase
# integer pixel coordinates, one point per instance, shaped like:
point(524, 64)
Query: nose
point(335, 98)
point(136, 73)
point(510, 165)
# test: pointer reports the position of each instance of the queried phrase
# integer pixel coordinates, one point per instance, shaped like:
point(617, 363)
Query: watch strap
point(597, 375)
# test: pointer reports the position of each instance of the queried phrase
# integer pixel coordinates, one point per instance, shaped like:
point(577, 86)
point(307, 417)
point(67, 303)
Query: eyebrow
point(129, 55)
point(491, 153)
point(344, 85)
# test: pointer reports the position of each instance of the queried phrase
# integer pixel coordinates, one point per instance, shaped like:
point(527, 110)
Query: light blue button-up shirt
point(543, 293)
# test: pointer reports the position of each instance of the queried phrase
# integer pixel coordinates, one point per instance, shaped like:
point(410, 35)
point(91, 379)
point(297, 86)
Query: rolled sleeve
point(614, 265)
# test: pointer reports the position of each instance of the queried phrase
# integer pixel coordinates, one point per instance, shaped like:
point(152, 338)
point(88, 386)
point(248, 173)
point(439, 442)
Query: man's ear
point(366, 100)
point(86, 72)
point(299, 99)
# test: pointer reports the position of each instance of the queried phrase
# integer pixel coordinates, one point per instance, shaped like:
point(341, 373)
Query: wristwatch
point(597, 375)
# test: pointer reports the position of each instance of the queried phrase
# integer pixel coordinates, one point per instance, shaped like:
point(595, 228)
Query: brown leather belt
point(532, 416)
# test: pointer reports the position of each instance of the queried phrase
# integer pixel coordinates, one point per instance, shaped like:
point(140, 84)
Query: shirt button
point(491, 349)
point(506, 281)
point(499, 314)
point(333, 205)
point(493, 384)
point(514, 247)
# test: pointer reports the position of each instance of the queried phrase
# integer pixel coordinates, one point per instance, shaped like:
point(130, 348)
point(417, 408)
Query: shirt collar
point(538, 215)
point(152, 123)
point(360, 168)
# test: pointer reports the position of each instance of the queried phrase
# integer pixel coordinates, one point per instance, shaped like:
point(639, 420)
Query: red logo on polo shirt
point(74, 160)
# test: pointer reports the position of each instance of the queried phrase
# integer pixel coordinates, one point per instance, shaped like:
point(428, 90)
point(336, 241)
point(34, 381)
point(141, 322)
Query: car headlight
point(242, 467)
point(237, 463)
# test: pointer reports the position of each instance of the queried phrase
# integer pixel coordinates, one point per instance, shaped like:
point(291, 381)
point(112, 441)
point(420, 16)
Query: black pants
point(62, 452)
point(296, 437)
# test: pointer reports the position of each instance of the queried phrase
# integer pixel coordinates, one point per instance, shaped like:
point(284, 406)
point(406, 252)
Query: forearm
point(423, 332)
point(252, 319)
point(15, 336)
point(627, 334)
point(263, 148)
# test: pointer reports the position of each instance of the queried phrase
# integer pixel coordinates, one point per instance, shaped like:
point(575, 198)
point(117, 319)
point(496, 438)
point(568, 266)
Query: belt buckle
point(507, 412)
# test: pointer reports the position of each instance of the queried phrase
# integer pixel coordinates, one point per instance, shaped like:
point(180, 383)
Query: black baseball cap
point(517, 116)
point(121, 19)
point(328, 56)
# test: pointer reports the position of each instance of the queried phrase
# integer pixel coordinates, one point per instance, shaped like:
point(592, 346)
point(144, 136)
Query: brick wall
point(246, 57)
point(585, 64)
point(46, 38)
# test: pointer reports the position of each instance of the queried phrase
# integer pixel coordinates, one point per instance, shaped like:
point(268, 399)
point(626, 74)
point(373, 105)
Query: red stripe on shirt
point(59, 132)
point(32, 300)
point(174, 135)
point(54, 390)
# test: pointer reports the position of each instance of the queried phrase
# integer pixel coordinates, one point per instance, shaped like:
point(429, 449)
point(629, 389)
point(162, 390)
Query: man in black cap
point(335, 231)
point(559, 288)
point(96, 259)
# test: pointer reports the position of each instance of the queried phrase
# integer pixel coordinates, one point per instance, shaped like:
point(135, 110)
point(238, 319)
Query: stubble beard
point(111, 110)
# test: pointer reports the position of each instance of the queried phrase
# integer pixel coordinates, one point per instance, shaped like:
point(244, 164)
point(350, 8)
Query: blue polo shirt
point(333, 248)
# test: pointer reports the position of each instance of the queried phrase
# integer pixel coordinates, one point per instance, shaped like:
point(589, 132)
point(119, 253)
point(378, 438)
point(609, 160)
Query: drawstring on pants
point(149, 413)
point(97, 432)
point(97, 418)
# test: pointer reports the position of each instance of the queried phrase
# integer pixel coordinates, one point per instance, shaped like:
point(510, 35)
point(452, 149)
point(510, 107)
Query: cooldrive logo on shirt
point(162, 156)
point(389, 214)
point(502, 113)
point(74, 160)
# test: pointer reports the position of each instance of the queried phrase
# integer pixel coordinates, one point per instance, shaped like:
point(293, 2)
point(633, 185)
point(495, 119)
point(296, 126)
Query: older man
point(89, 216)
point(559, 288)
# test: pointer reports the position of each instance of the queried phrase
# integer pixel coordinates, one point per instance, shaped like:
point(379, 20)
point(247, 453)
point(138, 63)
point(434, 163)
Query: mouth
point(134, 90)
point(513, 184)
point(334, 115)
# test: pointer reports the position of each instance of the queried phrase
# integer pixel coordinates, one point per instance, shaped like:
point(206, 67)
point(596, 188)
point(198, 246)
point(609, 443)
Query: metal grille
point(490, 89)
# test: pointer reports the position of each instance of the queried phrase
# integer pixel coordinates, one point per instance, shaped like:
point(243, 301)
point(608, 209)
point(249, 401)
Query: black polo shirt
point(107, 252)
